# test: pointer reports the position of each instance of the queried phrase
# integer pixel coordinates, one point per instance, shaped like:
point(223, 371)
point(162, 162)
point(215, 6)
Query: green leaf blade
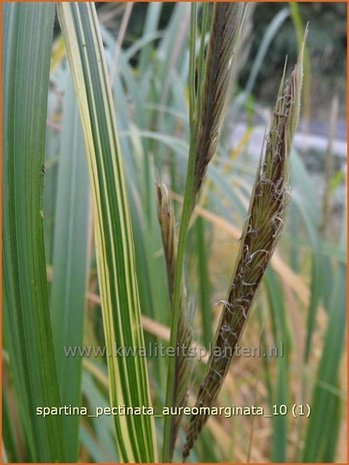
point(70, 263)
point(28, 336)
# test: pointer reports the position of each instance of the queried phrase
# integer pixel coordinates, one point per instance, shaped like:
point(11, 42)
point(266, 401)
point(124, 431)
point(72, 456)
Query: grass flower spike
point(263, 226)
point(182, 363)
point(226, 26)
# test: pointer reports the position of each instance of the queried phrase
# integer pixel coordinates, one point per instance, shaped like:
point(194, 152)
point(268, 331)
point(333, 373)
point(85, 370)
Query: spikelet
point(184, 340)
point(226, 25)
point(168, 232)
point(262, 228)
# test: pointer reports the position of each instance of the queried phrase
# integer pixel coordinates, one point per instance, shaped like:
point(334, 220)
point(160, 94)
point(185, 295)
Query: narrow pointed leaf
point(70, 262)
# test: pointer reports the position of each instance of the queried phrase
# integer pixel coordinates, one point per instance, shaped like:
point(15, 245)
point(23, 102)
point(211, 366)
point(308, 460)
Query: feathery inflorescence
point(262, 228)
point(226, 25)
point(209, 100)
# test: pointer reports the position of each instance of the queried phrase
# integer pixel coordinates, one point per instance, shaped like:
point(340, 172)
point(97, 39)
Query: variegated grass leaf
point(263, 226)
point(117, 278)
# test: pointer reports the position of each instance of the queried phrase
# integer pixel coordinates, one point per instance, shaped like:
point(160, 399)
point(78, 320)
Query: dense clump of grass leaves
point(128, 376)
point(207, 102)
point(321, 437)
point(28, 30)
point(267, 210)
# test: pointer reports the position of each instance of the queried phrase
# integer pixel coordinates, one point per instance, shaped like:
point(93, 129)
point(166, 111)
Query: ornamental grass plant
point(132, 222)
